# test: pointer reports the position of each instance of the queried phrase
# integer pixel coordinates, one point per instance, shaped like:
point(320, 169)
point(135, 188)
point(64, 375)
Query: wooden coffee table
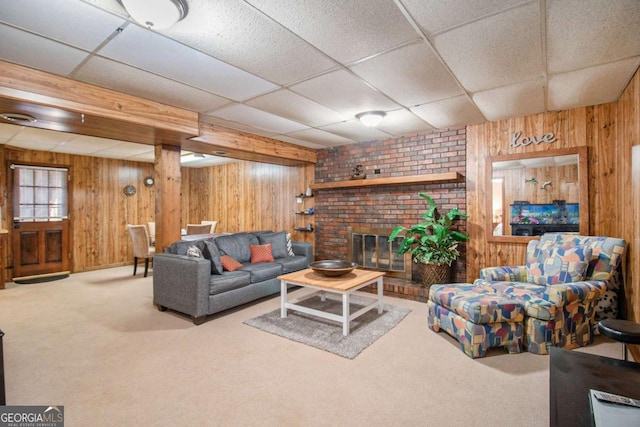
point(342, 285)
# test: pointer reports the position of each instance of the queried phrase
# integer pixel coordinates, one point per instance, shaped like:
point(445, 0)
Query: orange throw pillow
point(229, 263)
point(261, 253)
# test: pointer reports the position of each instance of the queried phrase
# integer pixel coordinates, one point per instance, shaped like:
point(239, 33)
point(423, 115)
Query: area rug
point(326, 334)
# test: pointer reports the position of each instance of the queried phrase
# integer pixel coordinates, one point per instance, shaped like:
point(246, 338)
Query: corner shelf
point(394, 180)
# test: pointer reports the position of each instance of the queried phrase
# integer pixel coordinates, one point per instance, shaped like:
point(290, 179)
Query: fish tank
point(558, 212)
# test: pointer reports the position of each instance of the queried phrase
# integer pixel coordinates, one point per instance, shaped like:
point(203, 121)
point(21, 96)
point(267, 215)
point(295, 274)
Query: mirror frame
point(583, 183)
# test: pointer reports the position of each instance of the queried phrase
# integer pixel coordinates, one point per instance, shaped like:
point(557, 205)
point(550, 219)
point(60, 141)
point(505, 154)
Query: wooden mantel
point(392, 180)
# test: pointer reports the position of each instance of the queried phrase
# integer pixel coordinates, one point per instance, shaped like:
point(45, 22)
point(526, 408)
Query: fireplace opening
point(370, 249)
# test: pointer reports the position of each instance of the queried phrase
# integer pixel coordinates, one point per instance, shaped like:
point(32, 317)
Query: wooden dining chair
point(198, 229)
point(213, 225)
point(141, 247)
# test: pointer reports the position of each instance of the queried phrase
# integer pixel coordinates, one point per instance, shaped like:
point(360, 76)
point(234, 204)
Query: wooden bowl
point(333, 267)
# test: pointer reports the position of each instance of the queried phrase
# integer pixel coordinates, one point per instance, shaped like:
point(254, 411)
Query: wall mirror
point(535, 193)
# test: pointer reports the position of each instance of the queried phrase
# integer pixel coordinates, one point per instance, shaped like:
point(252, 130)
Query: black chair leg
point(135, 265)
point(146, 266)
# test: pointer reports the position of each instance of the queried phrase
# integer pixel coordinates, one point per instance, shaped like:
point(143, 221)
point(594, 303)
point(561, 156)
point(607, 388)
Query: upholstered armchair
point(569, 282)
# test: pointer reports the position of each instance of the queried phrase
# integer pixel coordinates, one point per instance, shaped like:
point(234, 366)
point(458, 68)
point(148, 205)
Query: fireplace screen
point(370, 249)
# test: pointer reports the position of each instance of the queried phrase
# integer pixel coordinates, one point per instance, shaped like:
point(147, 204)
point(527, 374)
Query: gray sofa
point(197, 284)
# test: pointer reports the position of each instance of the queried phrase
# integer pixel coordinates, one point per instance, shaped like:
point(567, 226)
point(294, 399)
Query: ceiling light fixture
point(371, 118)
point(158, 14)
point(18, 118)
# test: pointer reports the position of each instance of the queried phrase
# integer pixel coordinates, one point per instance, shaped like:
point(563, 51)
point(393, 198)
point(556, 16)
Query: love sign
point(516, 141)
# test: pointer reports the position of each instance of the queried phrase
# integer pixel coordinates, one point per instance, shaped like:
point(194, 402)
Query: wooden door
point(40, 234)
point(40, 248)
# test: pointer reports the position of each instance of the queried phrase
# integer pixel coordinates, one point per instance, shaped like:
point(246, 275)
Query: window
point(39, 193)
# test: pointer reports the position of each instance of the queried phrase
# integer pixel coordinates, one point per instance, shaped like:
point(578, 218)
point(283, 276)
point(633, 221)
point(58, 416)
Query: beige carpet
point(94, 343)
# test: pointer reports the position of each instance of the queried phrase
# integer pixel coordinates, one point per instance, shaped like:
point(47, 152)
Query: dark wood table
point(573, 374)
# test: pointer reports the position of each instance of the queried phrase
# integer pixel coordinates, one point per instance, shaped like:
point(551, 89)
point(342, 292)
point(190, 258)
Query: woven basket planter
point(432, 274)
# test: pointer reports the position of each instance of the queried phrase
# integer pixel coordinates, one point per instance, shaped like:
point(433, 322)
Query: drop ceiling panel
point(419, 77)
point(345, 30)
point(81, 144)
point(8, 131)
point(151, 51)
point(496, 51)
point(345, 93)
point(522, 99)
point(449, 112)
point(356, 131)
point(295, 107)
point(590, 86)
point(583, 33)
point(62, 21)
point(401, 122)
point(240, 35)
point(133, 81)
point(435, 16)
point(37, 52)
point(257, 118)
point(123, 150)
point(35, 135)
point(321, 137)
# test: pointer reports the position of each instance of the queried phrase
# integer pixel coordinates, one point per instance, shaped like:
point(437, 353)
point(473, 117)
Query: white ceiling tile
point(321, 137)
point(8, 131)
point(522, 99)
point(151, 51)
point(62, 21)
point(130, 80)
point(82, 144)
point(123, 150)
point(401, 122)
point(237, 33)
point(257, 118)
point(37, 52)
point(590, 86)
point(345, 30)
point(36, 135)
point(496, 51)
point(32, 145)
point(449, 112)
point(356, 131)
point(148, 157)
point(295, 107)
point(434, 16)
point(418, 76)
point(345, 93)
point(582, 33)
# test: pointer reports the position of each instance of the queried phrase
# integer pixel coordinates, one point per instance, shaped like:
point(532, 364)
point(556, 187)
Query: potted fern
point(433, 242)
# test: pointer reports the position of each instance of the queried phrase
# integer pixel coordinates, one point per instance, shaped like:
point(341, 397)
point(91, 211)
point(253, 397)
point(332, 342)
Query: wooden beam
point(245, 146)
point(36, 87)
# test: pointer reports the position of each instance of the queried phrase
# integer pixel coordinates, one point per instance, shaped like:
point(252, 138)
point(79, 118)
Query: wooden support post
point(168, 196)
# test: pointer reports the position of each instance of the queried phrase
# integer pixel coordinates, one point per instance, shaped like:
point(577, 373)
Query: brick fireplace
point(386, 206)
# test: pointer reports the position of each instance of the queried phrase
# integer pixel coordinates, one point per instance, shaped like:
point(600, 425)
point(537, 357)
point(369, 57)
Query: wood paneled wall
point(245, 196)
point(609, 131)
point(99, 209)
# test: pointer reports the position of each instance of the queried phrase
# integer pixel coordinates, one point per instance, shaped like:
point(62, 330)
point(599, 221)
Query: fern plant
point(432, 241)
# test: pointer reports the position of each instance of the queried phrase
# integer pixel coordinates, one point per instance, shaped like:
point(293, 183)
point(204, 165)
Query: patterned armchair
point(568, 283)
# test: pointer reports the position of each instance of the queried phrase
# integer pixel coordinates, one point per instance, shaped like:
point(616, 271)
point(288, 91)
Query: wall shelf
point(393, 180)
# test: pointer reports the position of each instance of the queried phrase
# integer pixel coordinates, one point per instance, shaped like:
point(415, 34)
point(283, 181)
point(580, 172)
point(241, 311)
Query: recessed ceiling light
point(371, 118)
point(18, 118)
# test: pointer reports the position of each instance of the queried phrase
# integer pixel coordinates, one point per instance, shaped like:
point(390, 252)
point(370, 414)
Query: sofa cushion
point(237, 245)
point(289, 246)
point(261, 253)
point(278, 242)
point(229, 264)
point(532, 297)
point(262, 271)
point(194, 251)
point(559, 264)
point(212, 253)
point(228, 281)
point(293, 263)
point(181, 247)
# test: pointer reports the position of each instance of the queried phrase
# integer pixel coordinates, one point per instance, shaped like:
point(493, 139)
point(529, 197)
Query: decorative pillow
point(559, 264)
point(278, 242)
point(289, 247)
point(229, 263)
point(212, 253)
point(194, 251)
point(261, 253)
